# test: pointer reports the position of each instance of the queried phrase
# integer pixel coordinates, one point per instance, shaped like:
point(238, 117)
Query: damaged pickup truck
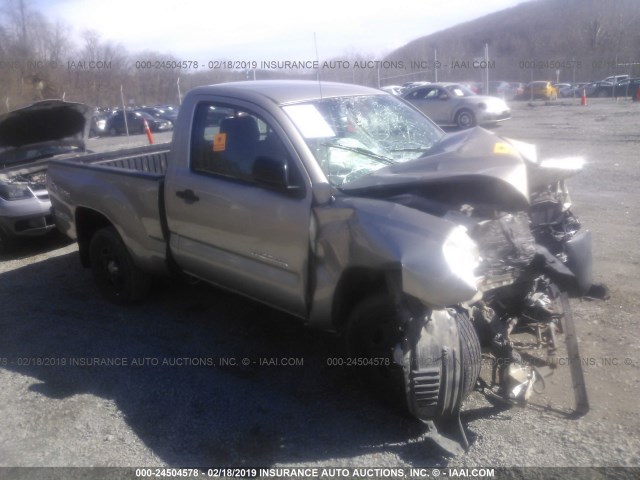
point(348, 208)
point(29, 138)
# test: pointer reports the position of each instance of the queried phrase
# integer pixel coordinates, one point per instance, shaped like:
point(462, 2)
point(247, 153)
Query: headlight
point(462, 255)
point(496, 106)
point(11, 191)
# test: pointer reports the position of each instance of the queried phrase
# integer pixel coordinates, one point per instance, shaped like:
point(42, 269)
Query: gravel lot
point(171, 403)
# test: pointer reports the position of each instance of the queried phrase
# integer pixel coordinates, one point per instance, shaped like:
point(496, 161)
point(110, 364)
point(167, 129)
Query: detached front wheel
point(119, 279)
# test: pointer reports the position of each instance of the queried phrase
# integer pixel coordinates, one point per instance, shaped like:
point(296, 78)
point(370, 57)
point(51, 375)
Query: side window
point(226, 141)
point(419, 94)
point(433, 93)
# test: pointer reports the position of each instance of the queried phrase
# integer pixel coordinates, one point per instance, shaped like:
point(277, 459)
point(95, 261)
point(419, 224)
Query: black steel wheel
point(119, 279)
point(372, 335)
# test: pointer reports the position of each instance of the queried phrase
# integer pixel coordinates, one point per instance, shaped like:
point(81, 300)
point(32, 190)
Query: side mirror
point(443, 96)
point(273, 173)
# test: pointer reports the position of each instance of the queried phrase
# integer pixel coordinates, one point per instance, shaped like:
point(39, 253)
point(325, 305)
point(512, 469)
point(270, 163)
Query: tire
point(441, 364)
point(119, 279)
point(372, 333)
point(471, 353)
point(465, 119)
point(113, 132)
point(602, 94)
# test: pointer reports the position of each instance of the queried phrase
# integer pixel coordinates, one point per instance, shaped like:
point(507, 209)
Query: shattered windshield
point(354, 136)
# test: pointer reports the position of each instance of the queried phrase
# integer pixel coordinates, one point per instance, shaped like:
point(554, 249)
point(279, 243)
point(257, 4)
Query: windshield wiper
point(414, 149)
point(361, 151)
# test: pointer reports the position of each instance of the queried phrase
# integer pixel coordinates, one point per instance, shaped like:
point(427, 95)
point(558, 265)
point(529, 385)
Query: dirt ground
point(166, 399)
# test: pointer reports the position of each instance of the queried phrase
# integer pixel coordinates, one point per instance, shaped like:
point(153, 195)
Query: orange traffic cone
point(148, 130)
point(583, 99)
point(638, 94)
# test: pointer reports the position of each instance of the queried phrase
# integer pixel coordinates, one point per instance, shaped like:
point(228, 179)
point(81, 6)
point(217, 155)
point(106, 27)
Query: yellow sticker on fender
point(219, 142)
point(503, 148)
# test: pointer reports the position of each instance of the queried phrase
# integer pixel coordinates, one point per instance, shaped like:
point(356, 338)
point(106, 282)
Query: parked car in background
point(161, 113)
point(540, 89)
point(616, 79)
point(627, 88)
point(29, 138)
point(475, 87)
point(573, 90)
point(599, 89)
point(135, 123)
point(451, 104)
point(561, 86)
point(499, 89)
point(517, 89)
point(407, 85)
point(98, 124)
point(392, 89)
point(168, 106)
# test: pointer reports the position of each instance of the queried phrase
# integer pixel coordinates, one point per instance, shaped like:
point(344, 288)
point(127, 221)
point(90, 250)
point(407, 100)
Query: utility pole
point(486, 59)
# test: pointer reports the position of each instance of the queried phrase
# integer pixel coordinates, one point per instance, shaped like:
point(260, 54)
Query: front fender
point(381, 236)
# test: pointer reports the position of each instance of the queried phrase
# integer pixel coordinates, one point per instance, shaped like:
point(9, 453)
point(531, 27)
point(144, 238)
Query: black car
point(135, 123)
point(599, 89)
point(627, 88)
point(161, 113)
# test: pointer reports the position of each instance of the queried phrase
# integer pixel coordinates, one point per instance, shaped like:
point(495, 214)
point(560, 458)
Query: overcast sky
point(262, 29)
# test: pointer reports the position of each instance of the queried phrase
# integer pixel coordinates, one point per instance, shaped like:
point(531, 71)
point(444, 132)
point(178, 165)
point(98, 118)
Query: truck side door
point(226, 228)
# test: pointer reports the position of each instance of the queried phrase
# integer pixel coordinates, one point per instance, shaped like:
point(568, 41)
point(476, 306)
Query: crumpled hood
point(474, 164)
point(42, 123)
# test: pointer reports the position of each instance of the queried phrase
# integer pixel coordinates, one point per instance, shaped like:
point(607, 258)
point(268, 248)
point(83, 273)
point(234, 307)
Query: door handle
point(187, 195)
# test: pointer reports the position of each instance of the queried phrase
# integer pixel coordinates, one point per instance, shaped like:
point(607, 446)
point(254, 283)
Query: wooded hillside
point(585, 39)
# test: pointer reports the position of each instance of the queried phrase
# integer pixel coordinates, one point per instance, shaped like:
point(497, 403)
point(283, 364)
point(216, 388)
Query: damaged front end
point(533, 255)
point(434, 246)
point(530, 313)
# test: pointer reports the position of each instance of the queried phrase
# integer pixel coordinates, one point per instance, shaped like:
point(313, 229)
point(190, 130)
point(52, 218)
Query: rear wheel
point(119, 279)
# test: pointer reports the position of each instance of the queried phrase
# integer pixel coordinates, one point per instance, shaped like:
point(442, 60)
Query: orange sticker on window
point(219, 142)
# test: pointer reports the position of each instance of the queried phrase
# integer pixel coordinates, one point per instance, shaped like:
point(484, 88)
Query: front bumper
point(493, 117)
point(26, 218)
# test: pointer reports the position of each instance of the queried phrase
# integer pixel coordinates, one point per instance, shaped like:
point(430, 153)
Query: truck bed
point(147, 159)
point(123, 188)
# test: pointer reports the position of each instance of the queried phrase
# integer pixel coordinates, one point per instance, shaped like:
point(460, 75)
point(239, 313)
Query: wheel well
point(463, 110)
point(354, 285)
point(88, 222)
